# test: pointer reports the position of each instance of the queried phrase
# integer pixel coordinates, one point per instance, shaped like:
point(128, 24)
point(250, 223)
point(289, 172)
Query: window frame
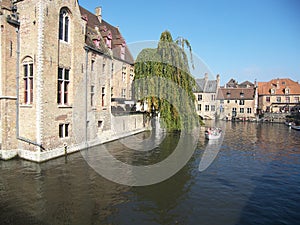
point(28, 81)
point(63, 83)
point(64, 25)
point(63, 130)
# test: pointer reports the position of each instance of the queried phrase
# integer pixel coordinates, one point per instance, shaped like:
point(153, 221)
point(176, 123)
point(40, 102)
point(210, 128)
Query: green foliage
point(163, 80)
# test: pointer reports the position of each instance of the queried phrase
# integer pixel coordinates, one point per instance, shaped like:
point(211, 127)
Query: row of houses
point(245, 101)
point(62, 70)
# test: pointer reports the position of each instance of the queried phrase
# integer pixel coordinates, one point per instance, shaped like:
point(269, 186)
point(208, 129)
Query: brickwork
point(70, 67)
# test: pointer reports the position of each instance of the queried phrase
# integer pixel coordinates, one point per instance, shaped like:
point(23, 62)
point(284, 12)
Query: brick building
point(59, 71)
point(238, 101)
point(206, 92)
point(278, 95)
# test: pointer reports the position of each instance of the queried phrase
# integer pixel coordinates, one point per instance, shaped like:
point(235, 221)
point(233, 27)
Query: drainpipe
point(85, 94)
point(16, 23)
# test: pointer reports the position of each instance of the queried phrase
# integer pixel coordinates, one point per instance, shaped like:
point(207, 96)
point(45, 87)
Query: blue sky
point(244, 40)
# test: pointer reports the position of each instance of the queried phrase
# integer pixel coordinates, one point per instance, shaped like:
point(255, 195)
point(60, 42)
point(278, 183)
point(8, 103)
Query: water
point(254, 179)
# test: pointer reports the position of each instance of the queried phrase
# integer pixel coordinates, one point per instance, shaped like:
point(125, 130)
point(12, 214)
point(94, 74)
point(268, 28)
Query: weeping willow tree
point(164, 82)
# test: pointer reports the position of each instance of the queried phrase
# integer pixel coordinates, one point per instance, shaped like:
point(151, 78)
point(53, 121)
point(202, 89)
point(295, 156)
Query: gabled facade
point(206, 97)
point(57, 78)
point(278, 95)
point(122, 60)
point(238, 101)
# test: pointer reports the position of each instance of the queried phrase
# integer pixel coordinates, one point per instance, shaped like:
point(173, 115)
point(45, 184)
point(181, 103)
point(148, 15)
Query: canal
point(253, 179)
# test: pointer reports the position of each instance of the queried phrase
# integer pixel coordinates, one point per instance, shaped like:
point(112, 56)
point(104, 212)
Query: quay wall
point(121, 126)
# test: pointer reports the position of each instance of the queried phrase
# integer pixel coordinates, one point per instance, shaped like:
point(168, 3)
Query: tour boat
point(295, 127)
point(213, 133)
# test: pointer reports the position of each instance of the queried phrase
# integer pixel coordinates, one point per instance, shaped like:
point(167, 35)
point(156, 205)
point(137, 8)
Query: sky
point(239, 39)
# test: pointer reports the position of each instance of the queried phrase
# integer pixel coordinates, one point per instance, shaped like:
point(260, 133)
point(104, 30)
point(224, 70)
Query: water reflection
point(254, 179)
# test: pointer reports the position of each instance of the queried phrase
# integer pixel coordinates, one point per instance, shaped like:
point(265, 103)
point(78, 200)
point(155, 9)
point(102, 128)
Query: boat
point(295, 127)
point(213, 133)
point(288, 123)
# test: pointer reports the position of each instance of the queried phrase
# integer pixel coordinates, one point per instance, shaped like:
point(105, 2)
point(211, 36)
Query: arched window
point(64, 25)
point(28, 80)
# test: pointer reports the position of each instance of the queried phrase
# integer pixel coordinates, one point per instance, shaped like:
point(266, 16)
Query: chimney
point(98, 13)
point(206, 77)
point(218, 80)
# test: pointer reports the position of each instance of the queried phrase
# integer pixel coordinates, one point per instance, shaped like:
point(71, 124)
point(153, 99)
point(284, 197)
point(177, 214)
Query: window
point(241, 110)
point(64, 22)
point(242, 94)
point(92, 65)
point(242, 102)
point(63, 130)
point(92, 95)
point(199, 107)
point(213, 108)
point(123, 94)
point(206, 108)
point(272, 91)
point(287, 91)
point(233, 112)
point(222, 101)
point(103, 96)
point(213, 97)
point(287, 99)
point(103, 68)
point(296, 99)
point(228, 101)
point(199, 97)
point(131, 74)
point(28, 81)
point(221, 109)
point(124, 74)
point(267, 99)
point(278, 99)
point(63, 86)
point(249, 110)
point(10, 49)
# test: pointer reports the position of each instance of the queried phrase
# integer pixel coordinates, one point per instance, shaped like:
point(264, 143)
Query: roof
point(103, 29)
point(236, 93)
point(279, 86)
point(206, 86)
point(246, 84)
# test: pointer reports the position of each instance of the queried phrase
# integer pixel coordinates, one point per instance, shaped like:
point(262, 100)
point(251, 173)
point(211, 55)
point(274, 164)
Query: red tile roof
point(105, 28)
point(279, 86)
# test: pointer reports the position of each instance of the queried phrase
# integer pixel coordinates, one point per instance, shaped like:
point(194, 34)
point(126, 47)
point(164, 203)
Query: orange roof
point(279, 86)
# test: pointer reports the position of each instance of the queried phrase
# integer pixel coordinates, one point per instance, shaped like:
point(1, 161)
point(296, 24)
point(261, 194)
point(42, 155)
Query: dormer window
point(228, 94)
point(108, 40)
point(286, 91)
point(97, 43)
point(242, 94)
point(123, 51)
point(272, 91)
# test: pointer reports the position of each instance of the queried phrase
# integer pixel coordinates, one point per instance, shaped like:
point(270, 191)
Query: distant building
point(278, 95)
point(238, 101)
point(206, 97)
